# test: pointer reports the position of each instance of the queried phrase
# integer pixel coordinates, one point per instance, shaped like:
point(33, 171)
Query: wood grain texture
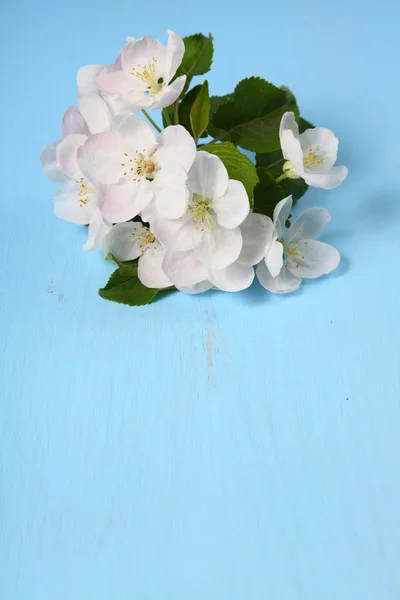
point(220, 447)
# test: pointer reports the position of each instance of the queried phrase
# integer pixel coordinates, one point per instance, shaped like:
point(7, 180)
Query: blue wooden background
point(220, 447)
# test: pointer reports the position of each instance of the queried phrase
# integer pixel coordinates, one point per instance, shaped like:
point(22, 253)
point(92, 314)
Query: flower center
point(86, 192)
point(201, 212)
point(292, 250)
point(140, 165)
point(148, 75)
point(312, 158)
point(144, 237)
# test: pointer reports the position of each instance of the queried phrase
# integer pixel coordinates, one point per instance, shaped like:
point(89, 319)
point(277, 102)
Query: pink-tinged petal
point(137, 134)
point(95, 112)
point(122, 202)
point(50, 166)
point(67, 155)
point(198, 288)
point(73, 122)
point(234, 278)
point(208, 176)
point(257, 234)
point(101, 157)
point(283, 283)
point(175, 52)
point(180, 145)
point(113, 82)
point(98, 228)
point(312, 259)
point(233, 207)
point(150, 270)
point(219, 247)
point(169, 93)
point(123, 242)
point(274, 258)
point(139, 54)
point(68, 204)
point(327, 181)
point(281, 214)
point(86, 78)
point(183, 268)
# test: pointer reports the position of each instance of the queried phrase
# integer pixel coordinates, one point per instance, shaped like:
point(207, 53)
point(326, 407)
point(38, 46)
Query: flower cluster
point(182, 206)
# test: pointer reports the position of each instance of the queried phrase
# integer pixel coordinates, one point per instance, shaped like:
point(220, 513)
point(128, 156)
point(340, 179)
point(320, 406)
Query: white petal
point(183, 268)
point(67, 155)
point(234, 278)
point(68, 205)
point(288, 123)
point(179, 143)
point(324, 143)
point(233, 207)
point(86, 78)
point(142, 52)
point(123, 242)
point(292, 151)
point(281, 214)
point(150, 270)
point(73, 122)
point(101, 156)
point(257, 234)
point(198, 288)
point(169, 93)
point(98, 228)
point(95, 112)
point(219, 247)
point(170, 191)
point(114, 82)
point(137, 134)
point(274, 258)
point(50, 166)
point(281, 284)
point(313, 259)
point(175, 234)
point(175, 52)
point(208, 176)
point(328, 181)
point(124, 201)
point(309, 224)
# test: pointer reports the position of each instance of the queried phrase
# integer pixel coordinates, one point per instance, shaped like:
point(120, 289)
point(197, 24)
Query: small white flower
point(127, 241)
point(76, 199)
point(207, 236)
point(147, 67)
point(135, 167)
point(294, 254)
point(310, 155)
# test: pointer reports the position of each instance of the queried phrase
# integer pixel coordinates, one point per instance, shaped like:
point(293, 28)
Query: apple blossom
point(294, 254)
point(135, 168)
point(127, 241)
point(147, 68)
point(310, 155)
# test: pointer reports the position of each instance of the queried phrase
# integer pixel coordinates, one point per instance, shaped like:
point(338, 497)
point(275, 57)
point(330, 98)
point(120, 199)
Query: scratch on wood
point(61, 296)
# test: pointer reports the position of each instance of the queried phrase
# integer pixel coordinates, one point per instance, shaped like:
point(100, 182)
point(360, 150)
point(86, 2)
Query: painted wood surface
point(221, 447)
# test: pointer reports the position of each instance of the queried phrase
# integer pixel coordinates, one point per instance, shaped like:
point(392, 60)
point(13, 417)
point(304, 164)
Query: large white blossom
point(310, 155)
point(76, 199)
point(127, 241)
point(207, 236)
point(147, 68)
point(135, 167)
point(294, 254)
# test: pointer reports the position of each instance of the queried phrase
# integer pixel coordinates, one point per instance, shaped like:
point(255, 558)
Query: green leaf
point(125, 287)
point(303, 125)
point(273, 162)
point(200, 112)
point(215, 103)
point(185, 107)
point(267, 193)
point(170, 110)
point(238, 165)
point(198, 56)
point(251, 120)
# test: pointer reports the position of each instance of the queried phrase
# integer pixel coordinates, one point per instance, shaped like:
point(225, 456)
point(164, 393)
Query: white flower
point(208, 235)
point(127, 241)
point(76, 199)
point(186, 266)
point(295, 254)
point(135, 168)
point(147, 67)
point(310, 155)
